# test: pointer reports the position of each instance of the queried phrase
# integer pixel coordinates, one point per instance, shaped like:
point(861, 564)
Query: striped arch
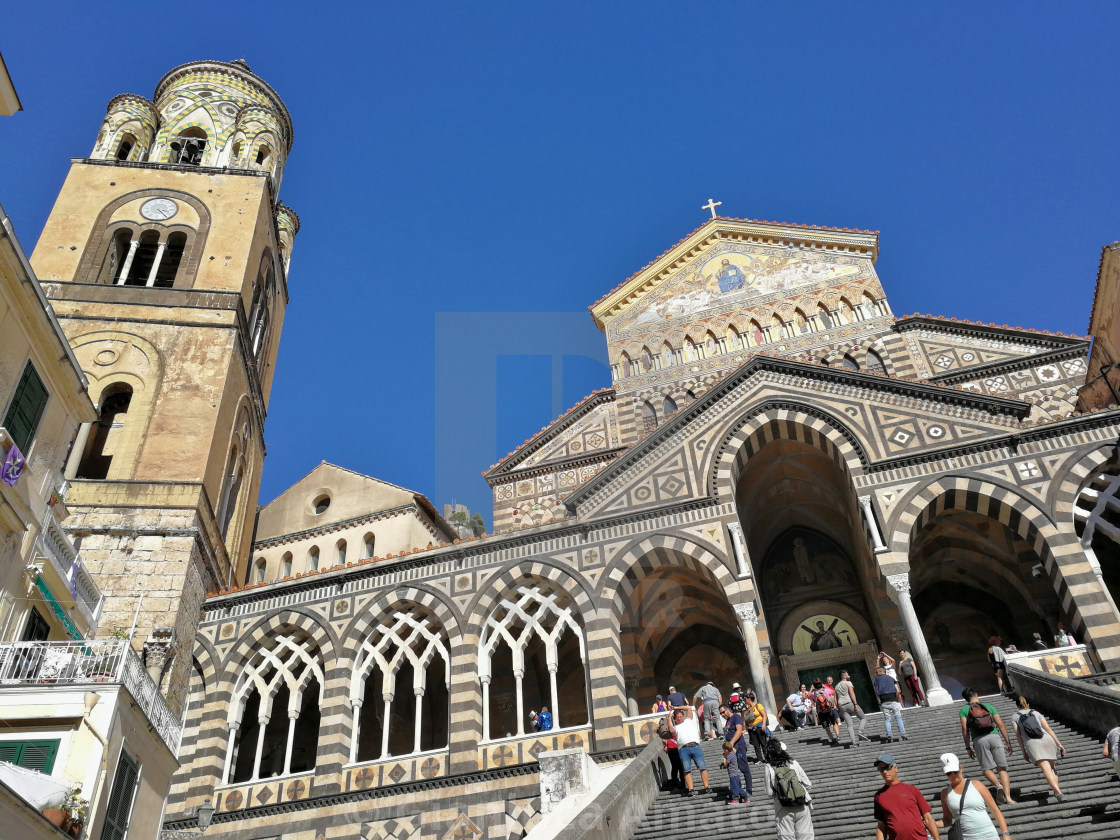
point(1075, 581)
point(772, 421)
point(982, 496)
point(1072, 477)
point(368, 615)
point(272, 625)
point(654, 552)
point(506, 583)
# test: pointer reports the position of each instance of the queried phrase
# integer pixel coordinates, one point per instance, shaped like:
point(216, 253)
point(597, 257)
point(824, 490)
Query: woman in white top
point(794, 822)
point(1042, 752)
point(970, 802)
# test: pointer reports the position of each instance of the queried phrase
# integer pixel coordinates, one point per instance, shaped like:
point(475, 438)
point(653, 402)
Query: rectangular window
point(26, 408)
point(122, 793)
point(34, 755)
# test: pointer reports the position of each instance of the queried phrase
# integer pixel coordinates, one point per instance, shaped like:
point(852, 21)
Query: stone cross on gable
point(712, 205)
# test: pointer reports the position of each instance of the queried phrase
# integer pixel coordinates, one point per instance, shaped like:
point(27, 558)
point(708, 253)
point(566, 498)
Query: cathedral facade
point(783, 479)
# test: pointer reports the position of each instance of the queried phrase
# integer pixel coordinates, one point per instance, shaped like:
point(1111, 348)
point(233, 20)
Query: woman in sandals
point(968, 802)
point(1039, 743)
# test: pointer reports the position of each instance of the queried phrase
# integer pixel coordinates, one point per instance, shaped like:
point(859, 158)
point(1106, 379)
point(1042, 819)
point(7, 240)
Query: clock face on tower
point(159, 209)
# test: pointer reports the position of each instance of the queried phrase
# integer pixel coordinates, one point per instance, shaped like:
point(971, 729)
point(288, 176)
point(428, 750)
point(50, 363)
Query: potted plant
point(77, 809)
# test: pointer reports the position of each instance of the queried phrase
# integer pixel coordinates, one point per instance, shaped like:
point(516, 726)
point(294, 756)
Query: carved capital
point(900, 583)
point(746, 612)
point(764, 653)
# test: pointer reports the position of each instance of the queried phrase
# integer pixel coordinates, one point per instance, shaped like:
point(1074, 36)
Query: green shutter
point(120, 799)
point(26, 408)
point(34, 755)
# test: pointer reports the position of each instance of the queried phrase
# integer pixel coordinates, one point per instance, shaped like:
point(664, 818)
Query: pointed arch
point(779, 420)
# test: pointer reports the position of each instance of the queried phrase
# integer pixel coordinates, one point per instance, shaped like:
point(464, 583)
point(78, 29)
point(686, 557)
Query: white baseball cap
point(950, 763)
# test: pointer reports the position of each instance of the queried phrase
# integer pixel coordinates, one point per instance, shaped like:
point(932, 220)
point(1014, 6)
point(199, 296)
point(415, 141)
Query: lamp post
point(203, 815)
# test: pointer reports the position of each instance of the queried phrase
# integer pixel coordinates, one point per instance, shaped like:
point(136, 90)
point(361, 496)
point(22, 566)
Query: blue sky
point(458, 158)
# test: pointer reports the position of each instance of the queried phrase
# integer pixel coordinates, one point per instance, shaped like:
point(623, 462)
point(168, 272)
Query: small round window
point(322, 503)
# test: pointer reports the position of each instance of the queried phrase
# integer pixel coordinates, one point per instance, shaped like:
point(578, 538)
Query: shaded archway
point(677, 628)
point(804, 534)
point(973, 577)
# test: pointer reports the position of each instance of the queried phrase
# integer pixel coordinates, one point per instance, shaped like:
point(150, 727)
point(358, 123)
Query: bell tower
point(166, 259)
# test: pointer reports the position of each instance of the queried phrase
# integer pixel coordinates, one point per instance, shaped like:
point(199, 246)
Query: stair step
point(845, 783)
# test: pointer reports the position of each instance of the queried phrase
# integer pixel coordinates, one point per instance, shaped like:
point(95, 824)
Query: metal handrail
point(85, 662)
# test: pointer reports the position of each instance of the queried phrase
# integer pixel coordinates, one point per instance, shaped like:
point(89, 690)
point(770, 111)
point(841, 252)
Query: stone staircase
point(845, 781)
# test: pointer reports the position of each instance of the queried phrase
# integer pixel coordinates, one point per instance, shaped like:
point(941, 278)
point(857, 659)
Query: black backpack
point(1031, 725)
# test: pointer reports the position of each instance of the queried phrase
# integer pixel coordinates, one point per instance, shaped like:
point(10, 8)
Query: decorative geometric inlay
point(524, 488)
point(1028, 469)
point(397, 773)
point(968, 357)
point(672, 485)
point(537, 749)
point(1048, 373)
point(572, 741)
point(642, 494)
point(996, 383)
point(901, 436)
point(364, 778)
point(463, 829)
point(1074, 366)
point(503, 755)
point(943, 361)
point(342, 607)
point(296, 789)
point(233, 800)
point(227, 631)
point(429, 768)
point(463, 582)
point(936, 431)
point(595, 441)
point(505, 491)
point(264, 795)
point(647, 730)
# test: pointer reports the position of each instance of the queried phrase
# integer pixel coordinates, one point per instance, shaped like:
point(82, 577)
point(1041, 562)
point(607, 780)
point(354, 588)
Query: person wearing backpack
point(965, 806)
point(789, 787)
point(986, 739)
point(824, 698)
point(1039, 744)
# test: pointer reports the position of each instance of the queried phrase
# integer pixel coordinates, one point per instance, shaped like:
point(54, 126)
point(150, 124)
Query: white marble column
point(485, 709)
point(262, 722)
point(132, 246)
point(293, 716)
point(419, 691)
point(935, 694)
point(517, 676)
point(760, 676)
point(226, 772)
point(739, 546)
point(388, 700)
point(872, 525)
point(160, 248)
point(357, 706)
point(555, 707)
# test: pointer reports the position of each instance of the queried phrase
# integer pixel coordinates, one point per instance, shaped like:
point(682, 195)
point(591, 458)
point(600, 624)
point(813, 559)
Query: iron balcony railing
point(85, 662)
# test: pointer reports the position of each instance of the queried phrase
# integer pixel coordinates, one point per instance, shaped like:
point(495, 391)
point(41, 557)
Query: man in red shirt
point(901, 812)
